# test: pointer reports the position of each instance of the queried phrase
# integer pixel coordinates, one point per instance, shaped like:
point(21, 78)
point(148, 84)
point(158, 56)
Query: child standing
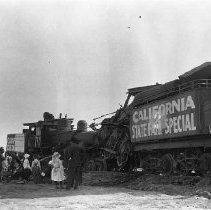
point(26, 167)
point(57, 172)
point(36, 170)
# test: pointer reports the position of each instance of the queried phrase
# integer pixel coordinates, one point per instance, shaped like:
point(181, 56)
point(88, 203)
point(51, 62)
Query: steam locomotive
point(44, 137)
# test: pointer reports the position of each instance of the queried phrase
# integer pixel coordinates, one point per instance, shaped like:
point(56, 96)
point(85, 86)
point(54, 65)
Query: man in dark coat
point(72, 163)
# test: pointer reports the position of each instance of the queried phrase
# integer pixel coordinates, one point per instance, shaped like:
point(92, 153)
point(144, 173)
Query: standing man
point(74, 156)
point(72, 163)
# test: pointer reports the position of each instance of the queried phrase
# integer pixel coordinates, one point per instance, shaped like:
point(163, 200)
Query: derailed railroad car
point(170, 128)
point(166, 128)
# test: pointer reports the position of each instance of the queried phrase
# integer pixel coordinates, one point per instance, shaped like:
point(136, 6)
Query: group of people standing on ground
point(68, 169)
point(15, 166)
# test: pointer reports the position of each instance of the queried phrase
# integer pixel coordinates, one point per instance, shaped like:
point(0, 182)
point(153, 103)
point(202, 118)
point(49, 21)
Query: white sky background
point(80, 57)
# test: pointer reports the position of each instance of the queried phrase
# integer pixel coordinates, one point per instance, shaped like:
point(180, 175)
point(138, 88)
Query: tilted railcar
point(170, 125)
point(165, 128)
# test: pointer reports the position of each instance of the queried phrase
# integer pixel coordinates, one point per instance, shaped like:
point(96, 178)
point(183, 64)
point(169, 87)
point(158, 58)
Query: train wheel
point(96, 165)
point(205, 163)
point(122, 160)
point(167, 164)
point(124, 150)
point(150, 164)
point(90, 166)
point(101, 165)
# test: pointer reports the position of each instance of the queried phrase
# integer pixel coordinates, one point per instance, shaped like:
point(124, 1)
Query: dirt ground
point(97, 193)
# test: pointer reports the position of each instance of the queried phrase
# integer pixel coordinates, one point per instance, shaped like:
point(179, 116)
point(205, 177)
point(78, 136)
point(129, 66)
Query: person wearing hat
point(73, 163)
point(74, 156)
point(26, 168)
point(57, 172)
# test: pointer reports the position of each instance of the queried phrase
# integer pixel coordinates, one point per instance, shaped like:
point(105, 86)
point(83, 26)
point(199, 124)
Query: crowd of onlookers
point(16, 166)
point(23, 168)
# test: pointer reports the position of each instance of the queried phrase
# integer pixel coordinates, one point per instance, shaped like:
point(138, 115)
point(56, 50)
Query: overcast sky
point(80, 57)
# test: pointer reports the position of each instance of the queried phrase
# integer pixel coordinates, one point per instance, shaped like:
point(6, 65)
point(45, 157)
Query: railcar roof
point(155, 92)
point(200, 72)
point(135, 90)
